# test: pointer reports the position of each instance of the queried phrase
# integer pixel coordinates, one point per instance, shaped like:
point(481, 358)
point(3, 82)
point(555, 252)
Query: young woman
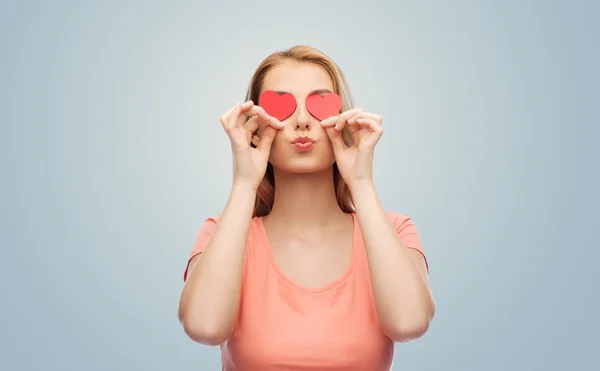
point(303, 269)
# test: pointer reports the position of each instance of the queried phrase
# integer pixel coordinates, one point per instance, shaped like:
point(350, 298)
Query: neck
point(305, 200)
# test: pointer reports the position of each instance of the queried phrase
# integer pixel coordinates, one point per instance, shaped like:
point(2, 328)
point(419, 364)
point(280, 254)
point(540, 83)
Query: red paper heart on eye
point(280, 106)
point(323, 106)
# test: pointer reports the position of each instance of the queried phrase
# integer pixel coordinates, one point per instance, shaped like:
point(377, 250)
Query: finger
point(371, 124)
point(225, 117)
point(252, 124)
point(344, 117)
point(333, 120)
point(340, 123)
point(356, 116)
point(264, 117)
point(247, 104)
point(266, 139)
point(335, 137)
point(258, 111)
point(275, 123)
point(377, 118)
point(356, 124)
point(233, 116)
point(330, 121)
point(351, 112)
point(244, 107)
point(362, 115)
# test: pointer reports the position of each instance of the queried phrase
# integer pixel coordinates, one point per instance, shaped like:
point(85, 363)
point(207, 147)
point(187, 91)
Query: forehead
point(297, 78)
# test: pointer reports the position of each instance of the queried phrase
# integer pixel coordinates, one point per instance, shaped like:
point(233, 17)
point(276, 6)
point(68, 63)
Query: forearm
point(211, 294)
point(401, 293)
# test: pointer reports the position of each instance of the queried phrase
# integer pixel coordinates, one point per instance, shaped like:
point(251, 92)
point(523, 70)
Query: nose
point(302, 119)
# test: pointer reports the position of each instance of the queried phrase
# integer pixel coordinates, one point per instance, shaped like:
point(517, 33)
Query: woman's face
point(300, 80)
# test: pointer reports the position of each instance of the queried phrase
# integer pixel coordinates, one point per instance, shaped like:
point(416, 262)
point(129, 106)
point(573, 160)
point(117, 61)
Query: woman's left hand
point(355, 162)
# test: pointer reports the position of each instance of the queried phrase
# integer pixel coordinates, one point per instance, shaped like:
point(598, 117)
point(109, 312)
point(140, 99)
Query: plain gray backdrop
point(112, 156)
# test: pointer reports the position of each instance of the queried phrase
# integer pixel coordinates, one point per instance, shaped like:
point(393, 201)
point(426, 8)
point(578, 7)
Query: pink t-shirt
point(282, 325)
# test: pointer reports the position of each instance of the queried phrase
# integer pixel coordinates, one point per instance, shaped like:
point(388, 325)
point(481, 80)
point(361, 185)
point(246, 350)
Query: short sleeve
point(407, 231)
point(202, 238)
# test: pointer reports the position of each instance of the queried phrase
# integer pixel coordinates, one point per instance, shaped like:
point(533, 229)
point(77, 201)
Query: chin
point(302, 163)
point(302, 167)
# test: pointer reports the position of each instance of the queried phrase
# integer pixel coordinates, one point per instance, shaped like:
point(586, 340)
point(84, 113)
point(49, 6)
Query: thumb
point(335, 136)
point(266, 139)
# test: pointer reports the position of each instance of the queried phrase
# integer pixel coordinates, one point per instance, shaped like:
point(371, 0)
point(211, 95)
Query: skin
point(306, 241)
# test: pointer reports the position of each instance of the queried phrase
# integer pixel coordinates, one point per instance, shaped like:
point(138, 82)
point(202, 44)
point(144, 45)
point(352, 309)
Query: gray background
point(112, 156)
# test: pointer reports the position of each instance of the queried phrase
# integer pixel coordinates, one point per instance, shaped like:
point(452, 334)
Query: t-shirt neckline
point(312, 290)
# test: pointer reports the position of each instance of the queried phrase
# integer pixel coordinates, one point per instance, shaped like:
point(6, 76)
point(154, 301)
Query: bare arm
point(401, 290)
point(403, 300)
point(210, 299)
point(211, 295)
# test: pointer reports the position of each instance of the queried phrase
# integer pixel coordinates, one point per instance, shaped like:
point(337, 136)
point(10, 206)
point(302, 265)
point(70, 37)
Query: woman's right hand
point(249, 163)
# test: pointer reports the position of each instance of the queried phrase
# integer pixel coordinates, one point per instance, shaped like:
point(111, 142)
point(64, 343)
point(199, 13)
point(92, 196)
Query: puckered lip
point(303, 140)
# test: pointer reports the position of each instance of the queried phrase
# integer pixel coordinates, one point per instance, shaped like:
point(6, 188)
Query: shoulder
point(204, 234)
point(398, 219)
point(407, 232)
point(211, 222)
point(405, 228)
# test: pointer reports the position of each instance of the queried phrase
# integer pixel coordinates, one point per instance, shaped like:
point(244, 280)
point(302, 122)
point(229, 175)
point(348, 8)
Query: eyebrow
point(317, 91)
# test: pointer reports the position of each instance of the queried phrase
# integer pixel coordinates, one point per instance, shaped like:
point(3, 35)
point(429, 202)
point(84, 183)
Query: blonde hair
point(304, 54)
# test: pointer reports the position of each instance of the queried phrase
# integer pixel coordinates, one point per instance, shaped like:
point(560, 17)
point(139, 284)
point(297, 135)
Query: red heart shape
point(280, 106)
point(323, 106)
